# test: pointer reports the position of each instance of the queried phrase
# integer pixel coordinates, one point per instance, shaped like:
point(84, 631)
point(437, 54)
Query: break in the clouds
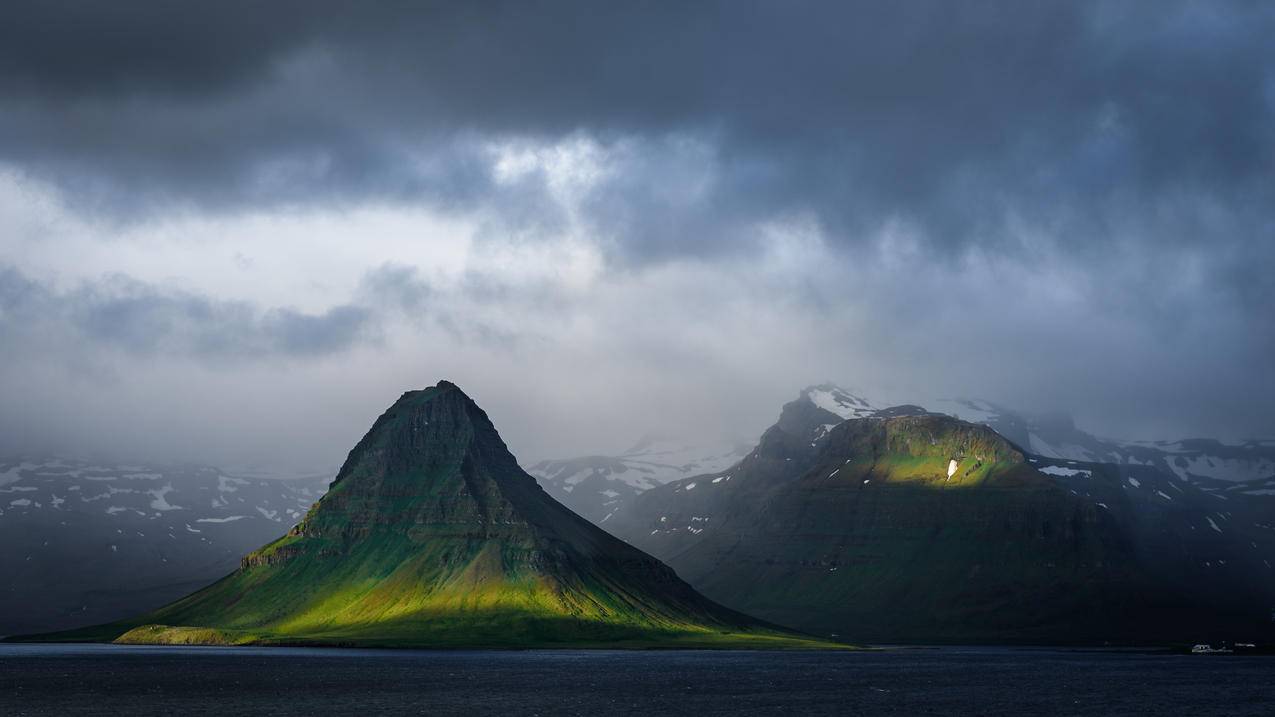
point(606, 213)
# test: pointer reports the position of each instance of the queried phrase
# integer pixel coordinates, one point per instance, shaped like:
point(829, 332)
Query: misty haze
point(786, 338)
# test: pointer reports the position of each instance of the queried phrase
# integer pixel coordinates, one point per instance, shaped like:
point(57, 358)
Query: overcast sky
point(236, 231)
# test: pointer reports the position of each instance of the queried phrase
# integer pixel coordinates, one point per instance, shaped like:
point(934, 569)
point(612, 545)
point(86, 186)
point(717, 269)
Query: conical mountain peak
point(432, 427)
point(434, 457)
point(432, 535)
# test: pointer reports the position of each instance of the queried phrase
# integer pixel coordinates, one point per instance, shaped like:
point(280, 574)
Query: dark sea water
point(102, 679)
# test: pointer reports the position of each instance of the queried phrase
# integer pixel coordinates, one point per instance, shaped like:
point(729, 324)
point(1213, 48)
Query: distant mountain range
point(899, 524)
point(594, 485)
point(1192, 459)
point(431, 535)
point(84, 542)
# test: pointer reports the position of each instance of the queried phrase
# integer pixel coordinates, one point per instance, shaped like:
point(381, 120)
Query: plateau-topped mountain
point(89, 542)
point(595, 486)
point(904, 525)
point(1056, 436)
point(432, 535)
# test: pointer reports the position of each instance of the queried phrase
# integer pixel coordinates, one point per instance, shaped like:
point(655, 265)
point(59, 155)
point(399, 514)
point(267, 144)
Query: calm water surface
point(92, 679)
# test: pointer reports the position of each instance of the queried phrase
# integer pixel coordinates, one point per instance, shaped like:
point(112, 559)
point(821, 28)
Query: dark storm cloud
point(1049, 191)
point(1106, 122)
point(140, 319)
point(395, 291)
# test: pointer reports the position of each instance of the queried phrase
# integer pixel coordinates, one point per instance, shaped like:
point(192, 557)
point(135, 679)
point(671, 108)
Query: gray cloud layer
point(144, 320)
point(966, 164)
point(1111, 123)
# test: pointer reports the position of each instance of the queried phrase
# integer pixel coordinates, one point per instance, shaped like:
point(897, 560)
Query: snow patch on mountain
point(14, 474)
point(1042, 447)
point(159, 502)
point(594, 485)
point(971, 410)
point(1064, 471)
point(822, 431)
point(226, 484)
point(1228, 469)
point(839, 402)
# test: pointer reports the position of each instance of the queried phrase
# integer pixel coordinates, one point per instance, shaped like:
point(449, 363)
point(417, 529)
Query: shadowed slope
point(922, 528)
point(910, 526)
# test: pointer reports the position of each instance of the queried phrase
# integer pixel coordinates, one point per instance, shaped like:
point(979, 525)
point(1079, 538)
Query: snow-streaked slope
point(593, 485)
point(1058, 437)
point(86, 542)
point(839, 401)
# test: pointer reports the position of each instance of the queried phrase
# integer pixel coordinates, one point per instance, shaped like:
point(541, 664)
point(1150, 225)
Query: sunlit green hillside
point(431, 535)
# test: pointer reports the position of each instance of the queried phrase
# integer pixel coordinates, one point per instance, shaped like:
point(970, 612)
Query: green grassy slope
point(872, 539)
point(431, 535)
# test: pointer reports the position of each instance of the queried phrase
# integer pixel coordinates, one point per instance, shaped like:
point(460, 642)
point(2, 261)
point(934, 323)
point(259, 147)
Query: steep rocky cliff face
point(432, 535)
